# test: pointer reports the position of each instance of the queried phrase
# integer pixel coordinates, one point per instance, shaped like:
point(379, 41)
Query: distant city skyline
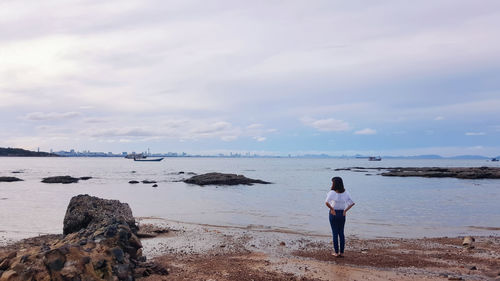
point(259, 77)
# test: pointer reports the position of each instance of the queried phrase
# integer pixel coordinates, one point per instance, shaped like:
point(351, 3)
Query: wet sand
point(204, 252)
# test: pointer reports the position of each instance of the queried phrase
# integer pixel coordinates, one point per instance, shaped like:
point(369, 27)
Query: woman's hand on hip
point(332, 211)
point(345, 212)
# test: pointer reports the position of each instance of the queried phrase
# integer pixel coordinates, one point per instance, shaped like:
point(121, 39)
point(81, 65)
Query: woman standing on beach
point(339, 202)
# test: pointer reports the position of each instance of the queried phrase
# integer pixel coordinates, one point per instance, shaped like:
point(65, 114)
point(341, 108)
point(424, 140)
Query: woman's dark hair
point(338, 184)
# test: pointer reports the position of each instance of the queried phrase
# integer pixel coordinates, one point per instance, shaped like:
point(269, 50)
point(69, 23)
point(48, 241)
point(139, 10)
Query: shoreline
point(203, 252)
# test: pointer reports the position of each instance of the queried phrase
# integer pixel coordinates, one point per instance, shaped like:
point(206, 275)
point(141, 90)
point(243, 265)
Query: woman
point(339, 202)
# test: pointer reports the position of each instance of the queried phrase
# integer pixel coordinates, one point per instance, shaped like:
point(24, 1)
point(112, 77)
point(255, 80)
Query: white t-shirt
point(339, 201)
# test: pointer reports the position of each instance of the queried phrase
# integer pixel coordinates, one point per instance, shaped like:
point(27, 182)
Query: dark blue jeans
point(337, 223)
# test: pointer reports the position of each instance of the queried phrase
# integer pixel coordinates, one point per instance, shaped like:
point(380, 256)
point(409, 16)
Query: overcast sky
point(276, 77)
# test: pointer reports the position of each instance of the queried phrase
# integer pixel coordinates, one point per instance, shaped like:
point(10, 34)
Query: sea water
point(385, 206)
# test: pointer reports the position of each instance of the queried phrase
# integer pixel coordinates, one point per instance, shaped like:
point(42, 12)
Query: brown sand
point(200, 252)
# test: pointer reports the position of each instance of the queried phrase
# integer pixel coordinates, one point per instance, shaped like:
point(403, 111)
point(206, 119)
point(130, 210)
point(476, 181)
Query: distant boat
point(148, 160)
point(372, 158)
point(494, 160)
point(135, 156)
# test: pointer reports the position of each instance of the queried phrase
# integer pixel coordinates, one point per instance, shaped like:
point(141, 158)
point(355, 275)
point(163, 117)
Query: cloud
point(255, 126)
point(95, 120)
point(119, 132)
point(229, 138)
point(154, 77)
point(366, 131)
point(42, 116)
point(212, 128)
point(326, 125)
point(475, 134)
point(260, 139)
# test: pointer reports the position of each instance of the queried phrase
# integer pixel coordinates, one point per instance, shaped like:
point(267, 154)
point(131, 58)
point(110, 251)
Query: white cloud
point(260, 139)
point(95, 120)
point(475, 134)
point(41, 116)
point(255, 126)
point(212, 128)
point(229, 138)
point(366, 131)
point(439, 118)
point(326, 125)
point(120, 132)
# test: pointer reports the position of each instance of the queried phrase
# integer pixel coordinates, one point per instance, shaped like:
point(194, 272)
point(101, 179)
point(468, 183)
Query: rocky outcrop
point(100, 243)
point(222, 179)
point(148, 181)
point(433, 172)
point(60, 179)
point(84, 211)
point(436, 172)
point(9, 179)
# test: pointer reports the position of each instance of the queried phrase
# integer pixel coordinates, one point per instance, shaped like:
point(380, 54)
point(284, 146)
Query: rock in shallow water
point(60, 179)
point(9, 179)
point(222, 179)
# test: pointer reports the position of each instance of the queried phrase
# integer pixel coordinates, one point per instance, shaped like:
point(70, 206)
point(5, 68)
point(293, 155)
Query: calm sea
point(385, 206)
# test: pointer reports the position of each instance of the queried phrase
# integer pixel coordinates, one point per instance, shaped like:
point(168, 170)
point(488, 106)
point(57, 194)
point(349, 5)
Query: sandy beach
point(207, 252)
point(204, 252)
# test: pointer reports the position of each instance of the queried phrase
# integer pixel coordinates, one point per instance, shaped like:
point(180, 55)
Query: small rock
point(60, 179)
point(148, 181)
point(455, 278)
point(155, 185)
point(55, 260)
point(473, 267)
point(468, 241)
point(133, 182)
point(118, 254)
point(85, 178)
point(9, 179)
point(86, 260)
point(282, 243)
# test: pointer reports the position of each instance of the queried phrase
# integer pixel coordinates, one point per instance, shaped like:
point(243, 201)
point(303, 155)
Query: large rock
point(9, 179)
point(101, 244)
point(438, 172)
point(433, 172)
point(60, 179)
point(84, 211)
point(222, 179)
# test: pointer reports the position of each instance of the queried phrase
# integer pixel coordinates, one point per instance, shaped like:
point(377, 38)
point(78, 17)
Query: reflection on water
point(385, 206)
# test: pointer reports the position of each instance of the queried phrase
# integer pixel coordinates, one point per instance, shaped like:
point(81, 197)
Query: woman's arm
point(347, 209)
point(332, 210)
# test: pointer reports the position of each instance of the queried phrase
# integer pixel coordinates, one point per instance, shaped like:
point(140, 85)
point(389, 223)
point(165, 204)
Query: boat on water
point(373, 158)
point(494, 160)
point(135, 156)
point(148, 159)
